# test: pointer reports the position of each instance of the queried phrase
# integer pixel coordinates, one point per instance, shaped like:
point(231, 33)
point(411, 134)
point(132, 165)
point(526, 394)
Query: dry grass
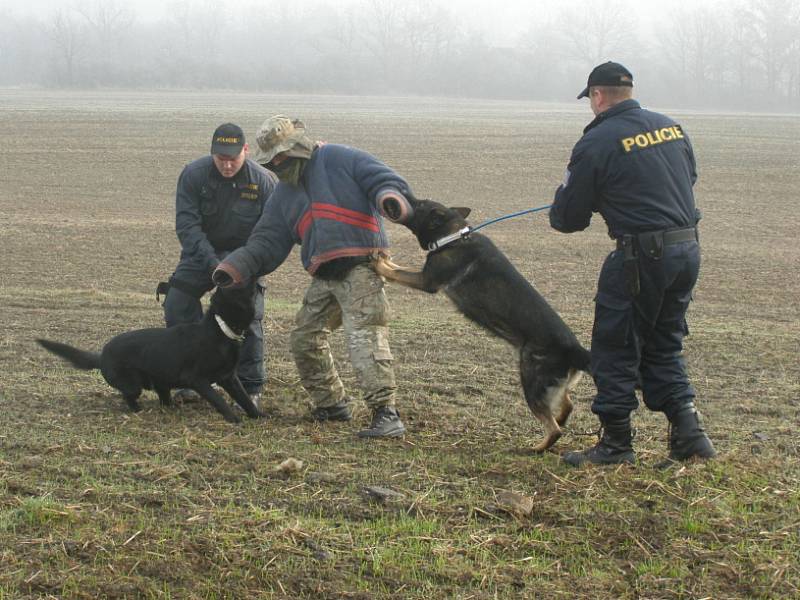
point(96, 502)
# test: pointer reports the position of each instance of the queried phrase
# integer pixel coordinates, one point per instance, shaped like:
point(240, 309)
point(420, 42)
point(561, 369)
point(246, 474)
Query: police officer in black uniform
point(218, 202)
point(636, 168)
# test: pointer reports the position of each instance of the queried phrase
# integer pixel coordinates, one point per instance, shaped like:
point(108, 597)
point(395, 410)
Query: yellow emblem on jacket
point(652, 138)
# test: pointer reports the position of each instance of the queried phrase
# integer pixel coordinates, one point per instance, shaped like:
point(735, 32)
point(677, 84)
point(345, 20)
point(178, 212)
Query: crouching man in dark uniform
point(636, 168)
point(218, 202)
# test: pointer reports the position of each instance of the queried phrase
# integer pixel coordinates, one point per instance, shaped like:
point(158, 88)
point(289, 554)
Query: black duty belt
point(650, 242)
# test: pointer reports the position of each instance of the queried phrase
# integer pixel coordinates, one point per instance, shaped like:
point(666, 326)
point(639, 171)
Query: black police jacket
point(633, 166)
point(214, 214)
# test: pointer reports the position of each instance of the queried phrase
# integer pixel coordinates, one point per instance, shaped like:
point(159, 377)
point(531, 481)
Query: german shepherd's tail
point(80, 359)
point(579, 358)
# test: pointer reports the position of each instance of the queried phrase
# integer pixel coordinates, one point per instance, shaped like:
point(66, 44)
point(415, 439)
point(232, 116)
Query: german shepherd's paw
point(385, 267)
point(547, 442)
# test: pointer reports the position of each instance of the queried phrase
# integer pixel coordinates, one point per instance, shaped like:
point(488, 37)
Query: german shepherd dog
point(487, 289)
point(192, 355)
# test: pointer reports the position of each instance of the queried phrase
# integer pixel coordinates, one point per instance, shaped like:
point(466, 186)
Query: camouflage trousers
point(358, 302)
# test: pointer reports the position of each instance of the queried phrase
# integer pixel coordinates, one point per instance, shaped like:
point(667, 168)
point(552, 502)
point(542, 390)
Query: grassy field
point(96, 502)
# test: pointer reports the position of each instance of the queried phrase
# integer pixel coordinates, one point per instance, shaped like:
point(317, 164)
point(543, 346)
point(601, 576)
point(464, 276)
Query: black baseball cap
point(228, 140)
point(609, 73)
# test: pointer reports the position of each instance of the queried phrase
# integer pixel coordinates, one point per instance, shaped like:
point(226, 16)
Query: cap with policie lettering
point(610, 74)
point(228, 140)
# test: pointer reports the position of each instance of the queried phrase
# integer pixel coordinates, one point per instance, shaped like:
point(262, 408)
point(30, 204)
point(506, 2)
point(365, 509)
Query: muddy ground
point(175, 503)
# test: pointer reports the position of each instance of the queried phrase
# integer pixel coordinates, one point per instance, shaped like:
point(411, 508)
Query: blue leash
point(511, 216)
point(464, 232)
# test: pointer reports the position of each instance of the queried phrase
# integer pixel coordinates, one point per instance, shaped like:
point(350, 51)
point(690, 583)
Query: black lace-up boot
point(337, 412)
point(687, 438)
point(385, 423)
point(613, 448)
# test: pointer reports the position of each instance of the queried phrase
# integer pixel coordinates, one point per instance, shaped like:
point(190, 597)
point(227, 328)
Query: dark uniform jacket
point(214, 214)
point(332, 214)
point(633, 166)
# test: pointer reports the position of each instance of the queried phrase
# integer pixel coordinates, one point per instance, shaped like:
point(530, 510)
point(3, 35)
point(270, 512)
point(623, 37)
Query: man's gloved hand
point(226, 275)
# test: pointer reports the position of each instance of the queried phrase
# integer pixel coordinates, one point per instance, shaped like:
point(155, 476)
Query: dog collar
point(449, 239)
point(228, 331)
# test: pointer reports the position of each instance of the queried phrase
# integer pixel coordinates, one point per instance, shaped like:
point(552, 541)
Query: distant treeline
point(732, 55)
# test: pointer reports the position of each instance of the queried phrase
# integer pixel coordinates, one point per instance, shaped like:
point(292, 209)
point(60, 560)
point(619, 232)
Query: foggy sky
point(710, 54)
point(500, 22)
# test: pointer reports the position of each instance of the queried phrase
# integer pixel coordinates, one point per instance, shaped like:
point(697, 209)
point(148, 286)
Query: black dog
point(487, 289)
point(184, 356)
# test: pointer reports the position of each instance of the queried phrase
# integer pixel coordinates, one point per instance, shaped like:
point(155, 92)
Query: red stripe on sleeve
point(352, 214)
point(304, 223)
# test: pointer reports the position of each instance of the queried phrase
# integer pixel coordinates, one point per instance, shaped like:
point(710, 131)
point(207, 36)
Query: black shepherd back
point(487, 289)
point(192, 355)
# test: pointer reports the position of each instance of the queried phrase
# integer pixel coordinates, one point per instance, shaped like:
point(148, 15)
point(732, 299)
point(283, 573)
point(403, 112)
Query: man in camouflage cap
point(280, 134)
point(329, 200)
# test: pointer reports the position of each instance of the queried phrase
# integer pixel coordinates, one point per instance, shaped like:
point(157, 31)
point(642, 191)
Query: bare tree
point(594, 31)
point(428, 29)
point(108, 19)
point(408, 40)
point(543, 42)
point(108, 22)
point(69, 42)
point(794, 72)
point(346, 30)
point(697, 52)
point(381, 28)
point(774, 26)
point(740, 49)
point(201, 23)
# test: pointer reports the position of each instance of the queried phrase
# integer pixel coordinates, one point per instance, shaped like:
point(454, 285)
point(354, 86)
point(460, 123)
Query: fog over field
point(714, 55)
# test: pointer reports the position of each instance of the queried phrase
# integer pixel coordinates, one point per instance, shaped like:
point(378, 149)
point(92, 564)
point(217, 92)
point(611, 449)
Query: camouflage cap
point(282, 134)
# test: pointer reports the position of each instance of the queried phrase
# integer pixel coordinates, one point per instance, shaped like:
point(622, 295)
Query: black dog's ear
point(463, 211)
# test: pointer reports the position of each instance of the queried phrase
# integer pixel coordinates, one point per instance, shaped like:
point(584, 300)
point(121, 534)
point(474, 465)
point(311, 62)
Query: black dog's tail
point(579, 358)
point(80, 359)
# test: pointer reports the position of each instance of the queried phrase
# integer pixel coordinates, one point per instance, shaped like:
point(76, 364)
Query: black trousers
point(639, 341)
point(183, 307)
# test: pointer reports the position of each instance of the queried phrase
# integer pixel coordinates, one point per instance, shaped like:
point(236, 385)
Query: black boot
point(337, 412)
point(385, 423)
point(613, 448)
point(687, 438)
